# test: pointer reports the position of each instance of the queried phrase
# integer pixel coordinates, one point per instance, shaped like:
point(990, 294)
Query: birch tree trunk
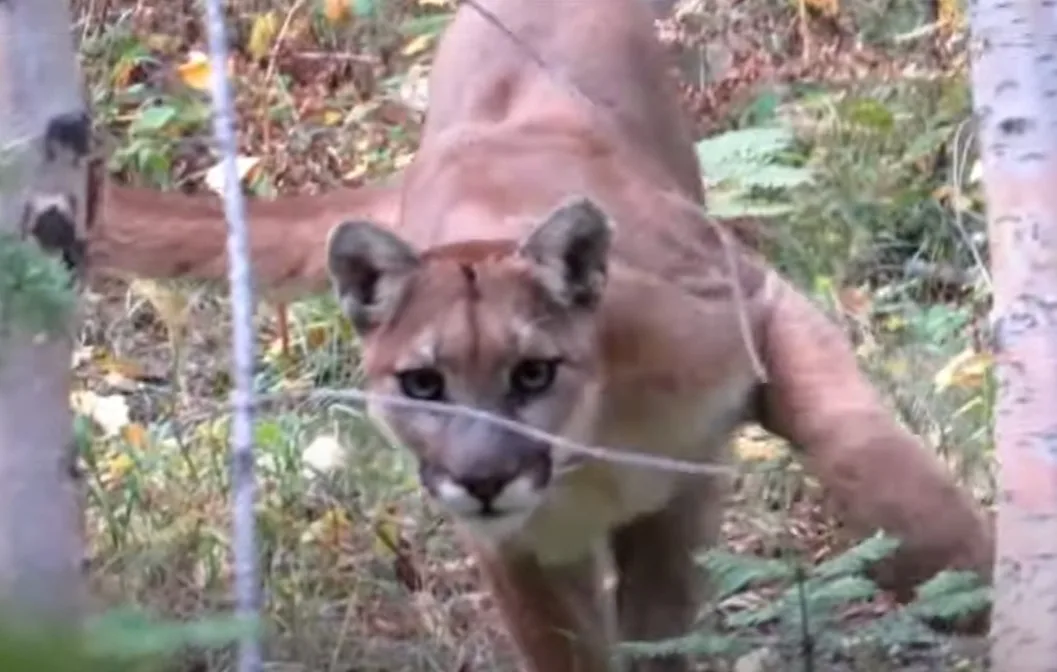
point(44, 141)
point(1014, 69)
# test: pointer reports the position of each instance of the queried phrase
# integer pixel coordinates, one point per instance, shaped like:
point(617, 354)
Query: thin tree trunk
point(44, 139)
point(1014, 59)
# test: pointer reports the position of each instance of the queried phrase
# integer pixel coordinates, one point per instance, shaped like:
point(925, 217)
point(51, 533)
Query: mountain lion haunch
point(543, 259)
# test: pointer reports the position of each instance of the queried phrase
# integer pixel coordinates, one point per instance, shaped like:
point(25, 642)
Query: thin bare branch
point(244, 535)
point(361, 399)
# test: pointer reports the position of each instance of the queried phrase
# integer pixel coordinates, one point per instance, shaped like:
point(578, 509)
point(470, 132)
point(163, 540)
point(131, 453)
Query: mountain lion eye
point(425, 383)
point(532, 376)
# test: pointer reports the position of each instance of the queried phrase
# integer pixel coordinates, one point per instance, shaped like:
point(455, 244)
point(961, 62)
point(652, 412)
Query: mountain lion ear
point(570, 250)
point(369, 268)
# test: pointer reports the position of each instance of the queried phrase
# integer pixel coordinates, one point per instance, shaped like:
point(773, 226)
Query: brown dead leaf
point(407, 573)
point(121, 368)
point(135, 435)
point(966, 370)
point(854, 301)
point(329, 530)
point(114, 469)
point(417, 45)
point(356, 173)
point(830, 8)
point(758, 449)
point(957, 199)
point(162, 43)
point(333, 118)
point(387, 535)
point(196, 71)
point(245, 167)
point(336, 11)
point(122, 73)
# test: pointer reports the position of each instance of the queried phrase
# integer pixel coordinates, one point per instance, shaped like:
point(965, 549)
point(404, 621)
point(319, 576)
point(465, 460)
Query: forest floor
point(360, 573)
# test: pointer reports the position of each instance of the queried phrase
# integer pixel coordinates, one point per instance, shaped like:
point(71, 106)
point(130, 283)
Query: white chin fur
point(512, 507)
point(495, 529)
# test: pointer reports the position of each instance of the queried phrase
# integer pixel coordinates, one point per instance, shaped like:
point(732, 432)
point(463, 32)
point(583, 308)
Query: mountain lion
point(544, 259)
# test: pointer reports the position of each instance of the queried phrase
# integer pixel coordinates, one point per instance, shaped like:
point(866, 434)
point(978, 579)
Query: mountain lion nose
point(484, 488)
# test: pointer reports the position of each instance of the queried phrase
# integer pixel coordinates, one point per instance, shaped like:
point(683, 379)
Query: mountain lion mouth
point(489, 498)
point(496, 527)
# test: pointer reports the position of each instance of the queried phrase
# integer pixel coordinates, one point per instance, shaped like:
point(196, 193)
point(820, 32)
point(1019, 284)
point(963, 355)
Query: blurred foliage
point(121, 640)
point(35, 290)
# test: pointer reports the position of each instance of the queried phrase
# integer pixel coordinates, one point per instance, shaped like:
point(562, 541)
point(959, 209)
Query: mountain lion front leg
point(658, 585)
point(555, 613)
point(878, 473)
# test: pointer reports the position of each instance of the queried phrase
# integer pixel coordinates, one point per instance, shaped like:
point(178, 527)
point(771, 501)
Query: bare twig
point(361, 399)
point(366, 59)
point(279, 39)
point(272, 59)
point(245, 552)
point(960, 152)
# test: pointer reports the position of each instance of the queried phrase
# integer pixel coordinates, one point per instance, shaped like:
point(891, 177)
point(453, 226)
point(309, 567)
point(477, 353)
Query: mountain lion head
point(502, 327)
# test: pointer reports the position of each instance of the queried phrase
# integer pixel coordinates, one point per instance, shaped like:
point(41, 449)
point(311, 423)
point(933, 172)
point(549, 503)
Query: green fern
point(724, 205)
point(838, 592)
point(896, 629)
point(744, 146)
point(950, 595)
point(820, 601)
point(744, 176)
point(731, 573)
point(858, 558)
point(832, 584)
point(697, 644)
point(818, 597)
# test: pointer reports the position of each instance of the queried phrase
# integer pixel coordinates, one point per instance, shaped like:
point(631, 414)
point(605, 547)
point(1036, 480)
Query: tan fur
point(469, 264)
point(147, 233)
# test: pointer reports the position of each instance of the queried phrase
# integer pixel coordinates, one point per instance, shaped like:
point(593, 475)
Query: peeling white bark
point(1014, 58)
point(43, 144)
